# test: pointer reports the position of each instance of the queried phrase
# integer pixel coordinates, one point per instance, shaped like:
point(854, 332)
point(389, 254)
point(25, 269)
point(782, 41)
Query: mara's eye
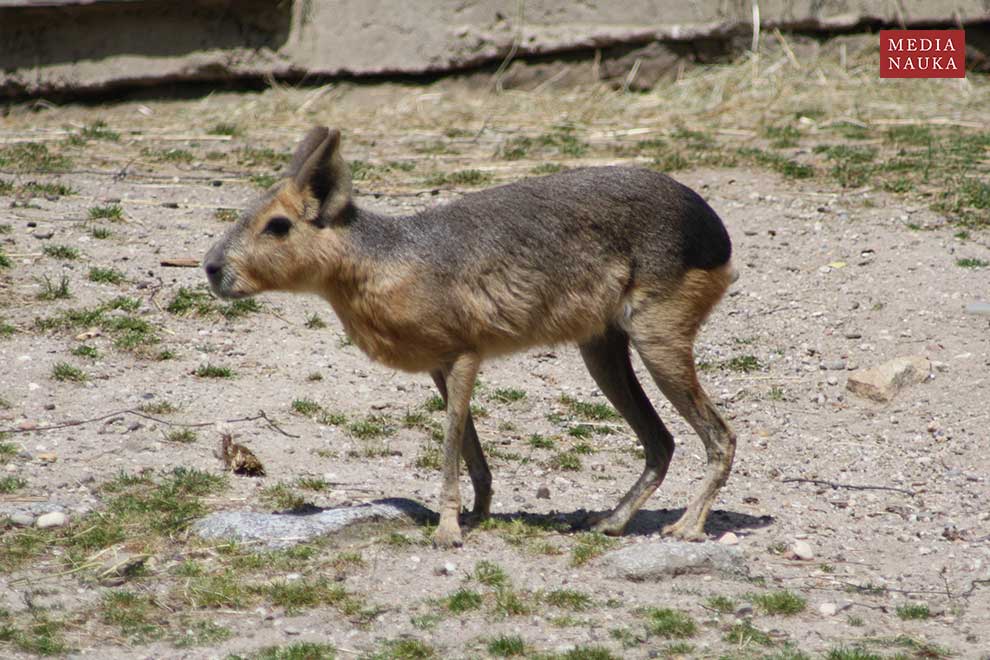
point(278, 226)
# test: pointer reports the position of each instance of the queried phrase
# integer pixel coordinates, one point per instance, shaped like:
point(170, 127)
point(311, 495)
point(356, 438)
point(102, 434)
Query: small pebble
point(52, 519)
point(729, 539)
point(980, 308)
point(828, 609)
point(543, 493)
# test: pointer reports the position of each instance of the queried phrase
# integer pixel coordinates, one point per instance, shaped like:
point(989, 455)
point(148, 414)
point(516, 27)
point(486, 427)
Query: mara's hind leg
point(663, 333)
point(607, 358)
point(474, 456)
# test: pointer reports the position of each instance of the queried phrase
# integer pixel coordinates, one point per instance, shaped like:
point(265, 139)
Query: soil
point(890, 497)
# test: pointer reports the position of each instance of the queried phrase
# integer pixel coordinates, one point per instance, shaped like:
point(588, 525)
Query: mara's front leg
point(460, 376)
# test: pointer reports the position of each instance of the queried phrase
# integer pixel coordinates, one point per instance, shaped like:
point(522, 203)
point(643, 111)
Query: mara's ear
point(319, 168)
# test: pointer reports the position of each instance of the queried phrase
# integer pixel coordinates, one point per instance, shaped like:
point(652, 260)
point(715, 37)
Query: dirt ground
point(891, 498)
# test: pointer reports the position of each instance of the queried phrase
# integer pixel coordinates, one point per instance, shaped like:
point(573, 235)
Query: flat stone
point(281, 530)
point(662, 559)
point(980, 308)
point(52, 519)
point(828, 609)
point(22, 519)
point(883, 382)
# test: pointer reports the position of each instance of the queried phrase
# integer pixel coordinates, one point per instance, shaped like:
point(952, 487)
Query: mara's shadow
point(646, 522)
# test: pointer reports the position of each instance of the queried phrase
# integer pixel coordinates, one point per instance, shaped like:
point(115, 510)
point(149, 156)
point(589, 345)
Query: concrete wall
point(78, 46)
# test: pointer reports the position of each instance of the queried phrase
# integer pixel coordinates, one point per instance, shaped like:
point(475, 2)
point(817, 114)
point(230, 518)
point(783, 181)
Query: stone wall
point(80, 46)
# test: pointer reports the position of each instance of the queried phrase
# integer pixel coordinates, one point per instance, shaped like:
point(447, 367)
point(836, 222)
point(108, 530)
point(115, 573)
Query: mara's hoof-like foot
point(686, 531)
point(447, 537)
point(605, 523)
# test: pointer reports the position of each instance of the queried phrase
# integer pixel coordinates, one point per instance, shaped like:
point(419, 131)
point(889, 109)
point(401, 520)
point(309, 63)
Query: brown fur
point(602, 258)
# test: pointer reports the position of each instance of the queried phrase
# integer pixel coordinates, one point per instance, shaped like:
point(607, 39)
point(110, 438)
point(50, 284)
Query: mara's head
point(284, 240)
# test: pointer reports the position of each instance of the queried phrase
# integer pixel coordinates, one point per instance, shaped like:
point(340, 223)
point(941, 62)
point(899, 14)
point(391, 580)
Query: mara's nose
point(213, 267)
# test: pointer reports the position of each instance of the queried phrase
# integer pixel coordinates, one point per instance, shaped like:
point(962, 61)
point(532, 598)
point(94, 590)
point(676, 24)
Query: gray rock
point(22, 519)
point(883, 382)
point(281, 530)
point(662, 559)
point(980, 308)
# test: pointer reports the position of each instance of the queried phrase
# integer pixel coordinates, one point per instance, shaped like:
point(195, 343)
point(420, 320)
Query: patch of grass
point(313, 483)
point(5, 261)
point(538, 441)
point(506, 646)
point(913, 612)
point(6, 188)
point(171, 155)
point(782, 136)
point(221, 590)
point(490, 574)
point(186, 301)
point(721, 604)
point(314, 322)
point(98, 130)
point(7, 450)
point(42, 637)
point(6, 329)
point(743, 364)
point(264, 181)
point(184, 436)
point(282, 497)
point(48, 189)
point(158, 408)
point(64, 252)
point(54, 290)
point(459, 178)
point(568, 599)
point(302, 594)
point(65, 372)
point(213, 371)
point(565, 460)
point(240, 308)
point(580, 431)
point(590, 545)
point(201, 633)
point(463, 600)
point(373, 426)
point(669, 624)
point(105, 276)
point(915, 134)
point(32, 157)
point(781, 602)
point(745, 634)
point(544, 169)
point(599, 412)
point(100, 233)
point(509, 602)
point(972, 263)
point(113, 212)
point(332, 419)
point(405, 649)
point(306, 407)
point(261, 157)
point(225, 128)
point(10, 484)
point(583, 652)
point(508, 395)
point(225, 215)
point(785, 166)
point(563, 139)
point(298, 651)
point(85, 350)
point(434, 404)
point(852, 653)
point(134, 614)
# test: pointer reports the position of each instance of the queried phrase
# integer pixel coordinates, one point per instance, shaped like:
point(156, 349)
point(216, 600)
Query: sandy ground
point(890, 497)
